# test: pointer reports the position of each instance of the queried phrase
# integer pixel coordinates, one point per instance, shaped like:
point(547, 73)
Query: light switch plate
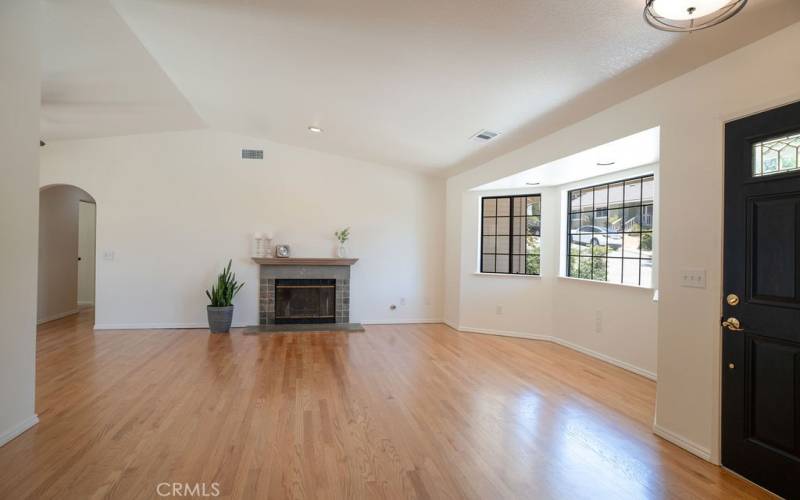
point(693, 278)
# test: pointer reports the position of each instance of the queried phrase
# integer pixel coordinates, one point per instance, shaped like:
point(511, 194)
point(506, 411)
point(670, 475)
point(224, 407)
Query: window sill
point(505, 275)
point(606, 283)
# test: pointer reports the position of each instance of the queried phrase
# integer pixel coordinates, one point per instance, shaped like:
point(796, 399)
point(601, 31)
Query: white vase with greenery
point(342, 236)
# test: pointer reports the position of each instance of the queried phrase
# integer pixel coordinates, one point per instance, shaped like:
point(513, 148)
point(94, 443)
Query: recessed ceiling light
point(315, 129)
point(605, 163)
point(690, 15)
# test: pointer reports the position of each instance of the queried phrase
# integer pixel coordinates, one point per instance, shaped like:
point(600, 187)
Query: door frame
point(91, 199)
point(716, 445)
point(94, 252)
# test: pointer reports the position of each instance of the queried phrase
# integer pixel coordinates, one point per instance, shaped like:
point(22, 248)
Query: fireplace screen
point(305, 301)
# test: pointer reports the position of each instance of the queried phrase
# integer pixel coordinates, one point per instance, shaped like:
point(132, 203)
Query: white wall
point(691, 111)
point(525, 301)
point(174, 207)
point(19, 204)
point(58, 251)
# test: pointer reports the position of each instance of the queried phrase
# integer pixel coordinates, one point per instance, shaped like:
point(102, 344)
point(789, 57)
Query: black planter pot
point(220, 319)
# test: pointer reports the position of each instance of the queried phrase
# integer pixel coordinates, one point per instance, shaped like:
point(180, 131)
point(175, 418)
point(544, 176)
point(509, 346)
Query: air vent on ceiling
point(252, 154)
point(484, 136)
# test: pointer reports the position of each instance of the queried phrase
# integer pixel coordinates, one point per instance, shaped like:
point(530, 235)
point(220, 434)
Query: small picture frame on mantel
point(282, 251)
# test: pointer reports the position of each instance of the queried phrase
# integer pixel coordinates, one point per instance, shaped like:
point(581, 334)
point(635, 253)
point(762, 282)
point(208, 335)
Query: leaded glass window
point(776, 156)
point(511, 234)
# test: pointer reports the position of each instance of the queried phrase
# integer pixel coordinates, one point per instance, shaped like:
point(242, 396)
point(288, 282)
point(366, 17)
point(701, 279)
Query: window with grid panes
point(610, 235)
point(511, 234)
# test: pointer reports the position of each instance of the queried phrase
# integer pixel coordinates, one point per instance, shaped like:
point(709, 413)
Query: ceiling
point(635, 150)
point(97, 79)
point(398, 83)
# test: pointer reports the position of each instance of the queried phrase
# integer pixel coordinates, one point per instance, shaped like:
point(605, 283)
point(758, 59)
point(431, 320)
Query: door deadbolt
point(732, 299)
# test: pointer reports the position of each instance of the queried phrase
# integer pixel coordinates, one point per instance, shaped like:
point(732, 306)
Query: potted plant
point(220, 311)
point(342, 236)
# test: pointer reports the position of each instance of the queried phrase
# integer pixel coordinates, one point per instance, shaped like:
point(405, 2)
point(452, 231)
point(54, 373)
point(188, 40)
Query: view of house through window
point(610, 236)
point(511, 234)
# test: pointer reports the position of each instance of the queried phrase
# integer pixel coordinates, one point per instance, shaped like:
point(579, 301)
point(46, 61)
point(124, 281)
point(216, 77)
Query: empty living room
point(531, 249)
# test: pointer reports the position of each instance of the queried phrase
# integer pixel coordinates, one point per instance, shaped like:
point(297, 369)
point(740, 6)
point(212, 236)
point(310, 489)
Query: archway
point(67, 255)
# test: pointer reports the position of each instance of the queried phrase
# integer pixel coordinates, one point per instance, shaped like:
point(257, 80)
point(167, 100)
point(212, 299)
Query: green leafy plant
point(343, 235)
point(588, 268)
point(222, 294)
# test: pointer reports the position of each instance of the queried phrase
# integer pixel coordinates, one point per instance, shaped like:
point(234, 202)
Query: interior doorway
point(87, 217)
point(67, 256)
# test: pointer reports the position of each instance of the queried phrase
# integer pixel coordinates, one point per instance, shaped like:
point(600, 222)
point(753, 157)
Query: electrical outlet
point(498, 310)
point(427, 301)
point(693, 278)
point(402, 301)
point(598, 321)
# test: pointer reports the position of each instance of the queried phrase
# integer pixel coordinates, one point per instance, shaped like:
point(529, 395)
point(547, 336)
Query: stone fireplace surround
point(295, 268)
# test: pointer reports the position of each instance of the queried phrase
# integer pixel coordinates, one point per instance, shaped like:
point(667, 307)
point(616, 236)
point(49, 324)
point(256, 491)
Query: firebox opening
point(305, 301)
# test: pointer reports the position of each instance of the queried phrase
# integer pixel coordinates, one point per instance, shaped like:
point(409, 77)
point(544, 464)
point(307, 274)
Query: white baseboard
point(682, 442)
point(18, 429)
point(160, 326)
point(57, 316)
point(575, 347)
point(451, 324)
point(400, 321)
point(507, 333)
point(608, 359)
point(189, 326)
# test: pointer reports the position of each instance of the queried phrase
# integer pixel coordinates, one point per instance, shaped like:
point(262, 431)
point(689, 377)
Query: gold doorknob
point(733, 325)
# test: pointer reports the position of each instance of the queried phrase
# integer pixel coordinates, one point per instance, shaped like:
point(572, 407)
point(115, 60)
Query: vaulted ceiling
point(398, 83)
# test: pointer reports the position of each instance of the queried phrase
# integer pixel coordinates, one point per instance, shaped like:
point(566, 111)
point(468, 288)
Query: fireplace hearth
point(304, 301)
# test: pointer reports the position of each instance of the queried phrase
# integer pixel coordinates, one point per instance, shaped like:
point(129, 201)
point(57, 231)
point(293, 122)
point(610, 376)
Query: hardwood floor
point(412, 411)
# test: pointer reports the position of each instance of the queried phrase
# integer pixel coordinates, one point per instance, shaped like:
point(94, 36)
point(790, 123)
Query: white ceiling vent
point(484, 136)
point(252, 154)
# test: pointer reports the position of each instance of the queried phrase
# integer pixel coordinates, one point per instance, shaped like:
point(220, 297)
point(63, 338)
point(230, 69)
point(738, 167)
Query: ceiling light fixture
point(690, 15)
point(533, 183)
point(315, 129)
point(605, 163)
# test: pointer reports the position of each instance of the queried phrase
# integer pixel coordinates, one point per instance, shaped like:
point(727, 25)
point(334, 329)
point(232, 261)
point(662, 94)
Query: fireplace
point(317, 290)
point(299, 301)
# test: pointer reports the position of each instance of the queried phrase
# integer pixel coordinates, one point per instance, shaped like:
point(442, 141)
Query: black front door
point(761, 300)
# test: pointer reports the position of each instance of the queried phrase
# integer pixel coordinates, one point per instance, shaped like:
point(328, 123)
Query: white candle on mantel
point(267, 244)
point(258, 244)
